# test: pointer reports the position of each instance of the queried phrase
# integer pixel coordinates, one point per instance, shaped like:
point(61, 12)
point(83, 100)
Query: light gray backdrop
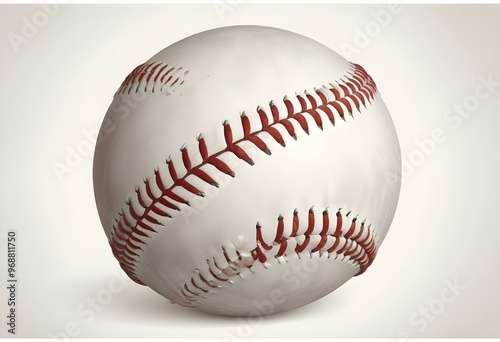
point(438, 70)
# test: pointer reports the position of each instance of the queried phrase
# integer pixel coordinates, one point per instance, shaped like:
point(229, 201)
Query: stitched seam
point(338, 237)
point(153, 76)
point(133, 226)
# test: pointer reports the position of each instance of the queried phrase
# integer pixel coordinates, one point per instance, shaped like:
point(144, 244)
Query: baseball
point(246, 170)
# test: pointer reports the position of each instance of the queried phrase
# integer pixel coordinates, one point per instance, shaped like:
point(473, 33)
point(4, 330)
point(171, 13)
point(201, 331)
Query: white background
point(60, 80)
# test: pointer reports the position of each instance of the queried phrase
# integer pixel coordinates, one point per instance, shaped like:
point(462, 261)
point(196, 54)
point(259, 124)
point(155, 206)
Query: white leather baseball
point(246, 170)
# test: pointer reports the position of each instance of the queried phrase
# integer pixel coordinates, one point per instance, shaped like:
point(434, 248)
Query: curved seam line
point(126, 238)
point(364, 258)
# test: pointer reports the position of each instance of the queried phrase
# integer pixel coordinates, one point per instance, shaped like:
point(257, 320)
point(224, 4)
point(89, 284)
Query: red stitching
point(146, 71)
point(136, 223)
point(337, 240)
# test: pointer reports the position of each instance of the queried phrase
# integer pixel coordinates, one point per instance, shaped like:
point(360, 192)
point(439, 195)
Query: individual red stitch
point(230, 271)
point(134, 77)
point(361, 231)
point(127, 259)
point(137, 231)
point(188, 290)
point(336, 93)
point(322, 96)
point(126, 82)
point(224, 252)
point(186, 295)
point(143, 225)
point(126, 221)
point(149, 192)
point(344, 88)
point(367, 242)
point(289, 128)
point(131, 247)
point(361, 98)
point(260, 239)
point(326, 222)
point(159, 181)
point(338, 229)
point(263, 117)
point(221, 166)
point(302, 122)
point(216, 276)
point(118, 240)
point(136, 239)
point(190, 187)
point(118, 235)
point(185, 158)
point(261, 145)
point(289, 107)
point(202, 147)
point(355, 99)
point(328, 113)
point(351, 229)
point(166, 203)
point(312, 100)
point(283, 248)
point(132, 211)
point(228, 133)
point(295, 223)
point(140, 199)
point(310, 222)
point(144, 73)
point(339, 109)
point(204, 176)
point(352, 249)
point(166, 73)
point(245, 123)
point(167, 80)
point(197, 286)
point(148, 79)
point(159, 72)
point(301, 247)
point(302, 102)
point(150, 219)
point(358, 78)
point(169, 193)
point(171, 170)
point(257, 254)
point(189, 296)
point(116, 244)
point(279, 230)
point(217, 266)
point(334, 246)
point(160, 212)
point(176, 80)
point(346, 103)
point(208, 282)
point(240, 153)
point(317, 118)
point(276, 135)
point(275, 112)
point(346, 245)
point(351, 86)
point(359, 254)
point(354, 81)
point(321, 244)
point(128, 264)
point(366, 95)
